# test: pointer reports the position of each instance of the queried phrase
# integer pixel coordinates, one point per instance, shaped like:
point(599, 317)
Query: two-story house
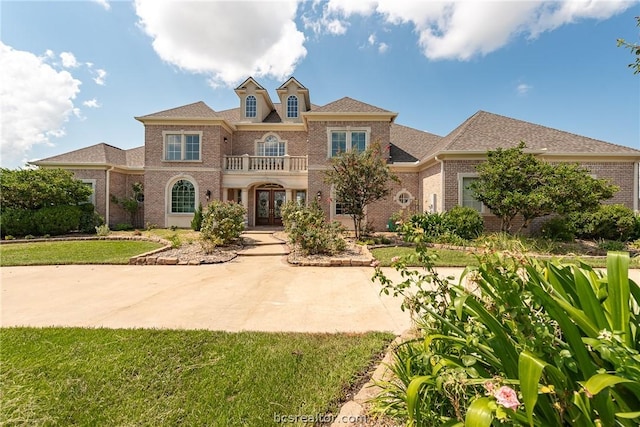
point(264, 153)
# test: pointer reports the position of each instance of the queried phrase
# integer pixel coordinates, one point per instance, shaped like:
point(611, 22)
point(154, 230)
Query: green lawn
point(453, 258)
point(73, 252)
point(75, 376)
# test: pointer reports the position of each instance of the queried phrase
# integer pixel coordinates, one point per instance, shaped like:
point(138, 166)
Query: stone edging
point(334, 261)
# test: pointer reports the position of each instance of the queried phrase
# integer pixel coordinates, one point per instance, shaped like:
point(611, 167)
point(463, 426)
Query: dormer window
point(251, 109)
point(292, 107)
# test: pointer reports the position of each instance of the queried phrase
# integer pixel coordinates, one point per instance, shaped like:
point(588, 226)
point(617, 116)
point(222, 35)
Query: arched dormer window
point(292, 106)
point(251, 109)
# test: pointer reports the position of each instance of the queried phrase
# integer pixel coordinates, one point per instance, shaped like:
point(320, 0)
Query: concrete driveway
point(249, 293)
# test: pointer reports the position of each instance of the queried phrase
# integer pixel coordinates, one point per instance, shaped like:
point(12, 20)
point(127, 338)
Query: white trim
point(183, 147)
point(167, 194)
point(408, 202)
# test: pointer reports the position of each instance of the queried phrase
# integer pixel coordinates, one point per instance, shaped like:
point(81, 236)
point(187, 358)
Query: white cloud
point(104, 3)
point(523, 88)
point(227, 41)
point(68, 60)
point(372, 39)
point(462, 30)
point(92, 103)
point(100, 77)
point(36, 101)
point(383, 47)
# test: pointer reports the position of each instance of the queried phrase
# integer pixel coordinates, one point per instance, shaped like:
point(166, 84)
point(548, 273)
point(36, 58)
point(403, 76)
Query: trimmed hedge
point(51, 220)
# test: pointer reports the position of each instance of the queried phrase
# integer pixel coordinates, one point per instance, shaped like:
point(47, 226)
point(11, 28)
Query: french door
point(269, 206)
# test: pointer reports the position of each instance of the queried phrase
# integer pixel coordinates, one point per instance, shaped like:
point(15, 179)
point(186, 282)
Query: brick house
point(262, 154)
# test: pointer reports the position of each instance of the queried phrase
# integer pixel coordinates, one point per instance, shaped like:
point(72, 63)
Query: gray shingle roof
point(349, 105)
point(409, 144)
point(196, 110)
point(487, 131)
point(101, 154)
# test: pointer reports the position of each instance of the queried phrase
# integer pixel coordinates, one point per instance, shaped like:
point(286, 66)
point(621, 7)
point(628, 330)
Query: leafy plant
point(308, 229)
point(612, 222)
point(103, 230)
point(196, 222)
point(131, 204)
point(222, 224)
point(563, 339)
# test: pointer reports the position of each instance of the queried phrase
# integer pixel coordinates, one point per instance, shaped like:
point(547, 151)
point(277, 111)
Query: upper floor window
point(251, 109)
point(182, 146)
point(271, 146)
point(292, 106)
point(342, 141)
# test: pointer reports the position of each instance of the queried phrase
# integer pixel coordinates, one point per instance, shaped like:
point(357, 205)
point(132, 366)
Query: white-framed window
point(251, 106)
point(403, 198)
point(465, 194)
point(91, 183)
point(292, 106)
point(182, 146)
point(342, 140)
point(271, 146)
point(183, 197)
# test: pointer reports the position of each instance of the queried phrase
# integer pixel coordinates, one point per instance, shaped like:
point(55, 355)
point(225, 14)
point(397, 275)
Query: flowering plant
point(514, 323)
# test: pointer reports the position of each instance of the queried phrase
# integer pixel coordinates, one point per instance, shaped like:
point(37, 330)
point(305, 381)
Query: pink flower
point(375, 263)
point(490, 387)
point(507, 397)
point(395, 259)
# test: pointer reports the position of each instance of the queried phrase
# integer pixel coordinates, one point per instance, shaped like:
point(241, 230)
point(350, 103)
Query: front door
point(268, 207)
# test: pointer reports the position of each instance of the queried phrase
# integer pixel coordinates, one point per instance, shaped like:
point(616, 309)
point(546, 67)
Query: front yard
point(72, 376)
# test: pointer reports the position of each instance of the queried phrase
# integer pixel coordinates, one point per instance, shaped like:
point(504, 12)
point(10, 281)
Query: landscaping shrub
point(308, 229)
point(56, 220)
point(52, 220)
point(611, 222)
point(524, 342)
point(123, 226)
point(558, 228)
point(453, 226)
point(196, 222)
point(222, 224)
point(463, 221)
point(16, 222)
point(89, 219)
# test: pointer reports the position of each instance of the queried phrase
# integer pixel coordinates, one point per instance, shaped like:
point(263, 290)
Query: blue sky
point(75, 73)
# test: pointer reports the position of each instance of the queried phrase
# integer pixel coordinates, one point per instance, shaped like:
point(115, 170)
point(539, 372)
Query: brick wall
point(212, 145)
point(431, 179)
point(244, 142)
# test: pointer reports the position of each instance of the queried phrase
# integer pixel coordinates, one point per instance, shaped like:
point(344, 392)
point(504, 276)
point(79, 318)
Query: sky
point(76, 73)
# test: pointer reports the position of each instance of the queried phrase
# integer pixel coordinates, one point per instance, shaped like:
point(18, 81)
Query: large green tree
point(359, 178)
point(513, 182)
point(635, 50)
point(33, 189)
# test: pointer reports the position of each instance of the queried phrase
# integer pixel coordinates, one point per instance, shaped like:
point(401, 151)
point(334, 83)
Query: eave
point(187, 121)
point(347, 116)
point(90, 166)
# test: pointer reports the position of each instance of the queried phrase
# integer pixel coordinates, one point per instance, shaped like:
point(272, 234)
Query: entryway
point(269, 202)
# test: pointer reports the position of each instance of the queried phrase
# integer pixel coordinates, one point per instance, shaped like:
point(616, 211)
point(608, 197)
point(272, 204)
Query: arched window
point(292, 106)
point(271, 147)
point(250, 106)
point(183, 197)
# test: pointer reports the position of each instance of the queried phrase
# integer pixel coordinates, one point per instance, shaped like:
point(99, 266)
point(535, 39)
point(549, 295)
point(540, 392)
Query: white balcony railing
point(247, 163)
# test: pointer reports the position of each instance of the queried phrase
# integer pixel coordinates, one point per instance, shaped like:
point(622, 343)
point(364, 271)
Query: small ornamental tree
point(359, 179)
point(131, 204)
point(512, 182)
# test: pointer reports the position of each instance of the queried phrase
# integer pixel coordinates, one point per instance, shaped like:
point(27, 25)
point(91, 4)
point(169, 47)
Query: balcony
point(251, 164)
